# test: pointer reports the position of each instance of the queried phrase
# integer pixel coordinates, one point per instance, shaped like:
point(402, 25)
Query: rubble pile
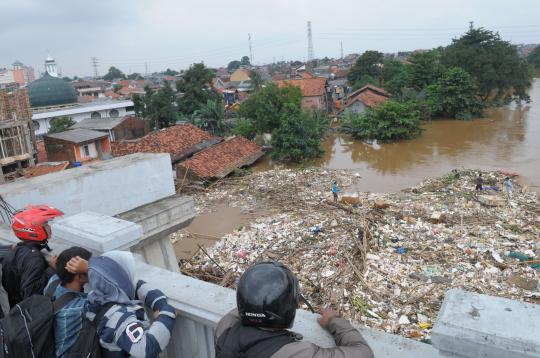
point(384, 260)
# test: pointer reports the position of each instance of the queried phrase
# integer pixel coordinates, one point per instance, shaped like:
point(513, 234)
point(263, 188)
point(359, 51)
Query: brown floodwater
point(508, 138)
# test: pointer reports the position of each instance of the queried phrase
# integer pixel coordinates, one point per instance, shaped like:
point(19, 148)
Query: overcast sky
point(176, 33)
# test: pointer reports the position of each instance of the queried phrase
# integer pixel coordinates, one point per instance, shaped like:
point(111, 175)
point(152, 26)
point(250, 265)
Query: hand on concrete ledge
point(77, 265)
point(326, 315)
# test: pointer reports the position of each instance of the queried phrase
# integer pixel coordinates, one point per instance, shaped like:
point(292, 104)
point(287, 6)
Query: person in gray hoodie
point(267, 298)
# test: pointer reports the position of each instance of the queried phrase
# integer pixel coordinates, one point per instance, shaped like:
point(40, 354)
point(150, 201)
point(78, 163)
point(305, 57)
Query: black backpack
point(87, 344)
point(27, 330)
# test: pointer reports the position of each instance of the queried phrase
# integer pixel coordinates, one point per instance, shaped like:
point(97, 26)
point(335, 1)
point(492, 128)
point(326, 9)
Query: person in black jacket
point(25, 271)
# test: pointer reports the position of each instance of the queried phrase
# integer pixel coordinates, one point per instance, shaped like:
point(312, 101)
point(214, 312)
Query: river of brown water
point(508, 138)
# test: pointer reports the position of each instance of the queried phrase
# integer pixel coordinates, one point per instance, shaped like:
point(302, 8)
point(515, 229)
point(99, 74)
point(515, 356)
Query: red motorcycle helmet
point(30, 224)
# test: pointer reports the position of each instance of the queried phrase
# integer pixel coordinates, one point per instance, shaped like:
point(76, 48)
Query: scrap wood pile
point(387, 260)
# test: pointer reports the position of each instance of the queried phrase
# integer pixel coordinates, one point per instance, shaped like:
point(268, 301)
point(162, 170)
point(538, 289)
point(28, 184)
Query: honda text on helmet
point(267, 296)
point(31, 223)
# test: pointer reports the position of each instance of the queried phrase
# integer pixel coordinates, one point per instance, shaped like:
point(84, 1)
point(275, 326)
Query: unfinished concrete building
point(17, 142)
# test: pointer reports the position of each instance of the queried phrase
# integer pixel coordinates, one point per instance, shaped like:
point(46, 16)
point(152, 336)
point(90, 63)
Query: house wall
point(131, 128)
point(357, 107)
point(58, 151)
point(315, 102)
point(92, 151)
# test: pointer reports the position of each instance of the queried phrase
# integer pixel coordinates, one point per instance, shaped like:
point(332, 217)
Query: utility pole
point(146, 69)
point(310, 42)
point(341, 50)
point(250, 50)
point(95, 65)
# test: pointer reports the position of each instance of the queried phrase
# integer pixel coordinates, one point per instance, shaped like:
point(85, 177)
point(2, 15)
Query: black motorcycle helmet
point(267, 296)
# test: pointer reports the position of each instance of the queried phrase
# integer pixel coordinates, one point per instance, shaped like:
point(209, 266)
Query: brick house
point(129, 127)
point(368, 96)
point(314, 91)
point(77, 145)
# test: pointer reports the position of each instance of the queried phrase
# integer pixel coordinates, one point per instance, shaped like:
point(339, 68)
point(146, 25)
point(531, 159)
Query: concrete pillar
point(474, 325)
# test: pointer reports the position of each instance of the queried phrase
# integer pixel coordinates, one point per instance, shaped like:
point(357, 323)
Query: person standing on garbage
point(267, 298)
point(508, 187)
point(479, 182)
point(335, 191)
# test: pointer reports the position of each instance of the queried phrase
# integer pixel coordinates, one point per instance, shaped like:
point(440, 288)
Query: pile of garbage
point(383, 260)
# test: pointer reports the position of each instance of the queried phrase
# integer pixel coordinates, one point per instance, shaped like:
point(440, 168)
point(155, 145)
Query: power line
point(310, 42)
point(95, 65)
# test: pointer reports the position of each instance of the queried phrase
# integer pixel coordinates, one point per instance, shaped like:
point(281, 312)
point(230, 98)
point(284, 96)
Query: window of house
point(86, 150)
point(35, 125)
point(113, 113)
point(95, 115)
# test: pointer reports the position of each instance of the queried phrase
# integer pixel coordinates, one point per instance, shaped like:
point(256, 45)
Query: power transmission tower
point(95, 65)
point(250, 49)
point(310, 42)
point(341, 50)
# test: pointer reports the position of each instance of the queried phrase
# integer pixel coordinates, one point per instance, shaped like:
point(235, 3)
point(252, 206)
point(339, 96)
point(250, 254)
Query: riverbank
point(506, 139)
point(386, 261)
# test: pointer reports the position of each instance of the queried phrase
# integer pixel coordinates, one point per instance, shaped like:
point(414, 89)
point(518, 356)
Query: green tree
point(60, 124)
point(159, 106)
point(256, 79)
point(365, 80)
point(534, 57)
point(169, 72)
point(135, 76)
point(67, 79)
point(139, 105)
point(390, 70)
point(233, 65)
point(211, 117)
point(245, 128)
point(495, 64)
point(369, 63)
point(297, 138)
point(114, 74)
point(388, 122)
point(195, 87)
point(424, 69)
point(267, 106)
point(244, 61)
point(454, 95)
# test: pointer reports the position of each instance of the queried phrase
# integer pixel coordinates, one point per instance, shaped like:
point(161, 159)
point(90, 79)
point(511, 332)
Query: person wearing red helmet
point(24, 271)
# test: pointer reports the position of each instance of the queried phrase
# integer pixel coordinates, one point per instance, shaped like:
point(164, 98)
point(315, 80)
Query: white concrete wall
point(91, 150)
point(108, 187)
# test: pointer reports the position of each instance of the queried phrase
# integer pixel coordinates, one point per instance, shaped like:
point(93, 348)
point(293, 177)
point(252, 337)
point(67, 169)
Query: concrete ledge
point(161, 218)
point(474, 325)
point(204, 303)
point(108, 187)
point(97, 232)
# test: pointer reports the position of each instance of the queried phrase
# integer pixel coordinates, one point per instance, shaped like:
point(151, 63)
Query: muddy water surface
point(508, 138)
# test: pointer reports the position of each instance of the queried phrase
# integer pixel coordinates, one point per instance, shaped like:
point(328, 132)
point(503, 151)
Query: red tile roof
point(221, 159)
point(279, 77)
point(310, 87)
point(179, 141)
point(45, 168)
point(370, 95)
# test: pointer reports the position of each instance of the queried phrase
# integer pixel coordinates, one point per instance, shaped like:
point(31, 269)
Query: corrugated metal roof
point(99, 123)
point(78, 135)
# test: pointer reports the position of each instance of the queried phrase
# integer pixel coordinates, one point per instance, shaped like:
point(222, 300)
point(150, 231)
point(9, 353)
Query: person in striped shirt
point(125, 330)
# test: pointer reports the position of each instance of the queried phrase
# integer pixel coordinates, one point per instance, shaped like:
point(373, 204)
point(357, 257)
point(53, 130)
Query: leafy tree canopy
point(297, 138)
point(233, 65)
point(211, 117)
point(390, 121)
point(114, 74)
point(494, 63)
point(454, 95)
point(424, 69)
point(135, 76)
point(60, 124)
point(196, 88)
point(157, 106)
point(267, 106)
point(369, 63)
point(245, 61)
point(169, 72)
point(534, 57)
